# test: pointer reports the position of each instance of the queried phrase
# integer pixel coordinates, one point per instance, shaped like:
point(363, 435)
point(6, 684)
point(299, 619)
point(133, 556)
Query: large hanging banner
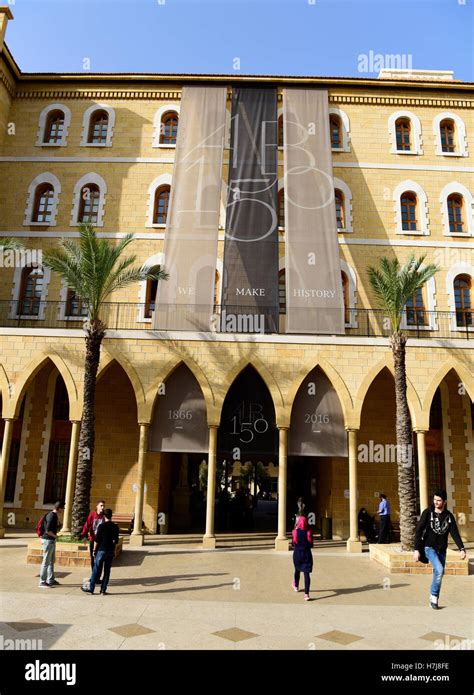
point(317, 421)
point(250, 283)
point(186, 300)
point(180, 416)
point(314, 298)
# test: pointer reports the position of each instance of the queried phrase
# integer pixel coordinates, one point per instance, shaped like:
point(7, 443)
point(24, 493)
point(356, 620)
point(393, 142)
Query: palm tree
point(7, 244)
point(94, 270)
point(393, 286)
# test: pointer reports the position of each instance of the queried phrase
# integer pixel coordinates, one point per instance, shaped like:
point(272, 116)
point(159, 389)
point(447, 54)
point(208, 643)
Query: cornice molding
point(9, 85)
point(166, 95)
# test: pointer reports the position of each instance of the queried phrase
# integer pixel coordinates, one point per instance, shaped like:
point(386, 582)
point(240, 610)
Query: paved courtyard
point(171, 594)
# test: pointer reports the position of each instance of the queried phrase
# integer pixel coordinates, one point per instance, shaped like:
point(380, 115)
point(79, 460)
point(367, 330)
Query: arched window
point(281, 207)
point(408, 207)
point(54, 130)
point(31, 290)
point(43, 204)
point(403, 134)
point(448, 135)
point(456, 214)
point(280, 131)
point(98, 127)
point(335, 127)
point(345, 294)
point(58, 455)
point(416, 310)
point(150, 294)
point(463, 300)
point(169, 128)
point(74, 305)
point(160, 208)
point(89, 204)
point(339, 202)
point(282, 291)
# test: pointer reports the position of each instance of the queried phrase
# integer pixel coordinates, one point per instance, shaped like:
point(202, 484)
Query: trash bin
point(326, 528)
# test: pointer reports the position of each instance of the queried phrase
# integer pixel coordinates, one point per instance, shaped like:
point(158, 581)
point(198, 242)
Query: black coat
point(302, 555)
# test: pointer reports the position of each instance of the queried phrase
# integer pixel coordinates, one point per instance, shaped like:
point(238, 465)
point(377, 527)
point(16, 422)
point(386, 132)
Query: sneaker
point(54, 582)
point(294, 587)
point(86, 591)
point(434, 602)
point(44, 585)
point(306, 597)
point(104, 592)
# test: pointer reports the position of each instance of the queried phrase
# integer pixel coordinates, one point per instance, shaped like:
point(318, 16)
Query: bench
point(123, 520)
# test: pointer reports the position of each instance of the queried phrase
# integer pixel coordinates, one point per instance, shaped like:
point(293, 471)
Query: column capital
point(420, 430)
point(212, 425)
point(352, 429)
point(144, 424)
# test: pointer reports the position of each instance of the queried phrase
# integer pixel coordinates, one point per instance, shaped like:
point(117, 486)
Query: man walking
point(48, 541)
point(431, 537)
point(104, 550)
point(93, 521)
point(384, 514)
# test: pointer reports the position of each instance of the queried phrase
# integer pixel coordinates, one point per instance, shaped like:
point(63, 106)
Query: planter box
point(400, 562)
point(67, 554)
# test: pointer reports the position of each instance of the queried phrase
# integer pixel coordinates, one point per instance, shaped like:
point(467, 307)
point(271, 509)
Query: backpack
point(40, 526)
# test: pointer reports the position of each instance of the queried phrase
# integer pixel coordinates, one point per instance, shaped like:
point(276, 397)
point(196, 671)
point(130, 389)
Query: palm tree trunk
point(81, 504)
point(405, 459)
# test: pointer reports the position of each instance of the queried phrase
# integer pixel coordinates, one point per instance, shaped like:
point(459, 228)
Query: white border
point(91, 177)
point(449, 189)
point(460, 132)
point(86, 125)
point(452, 273)
point(422, 205)
point(415, 133)
point(16, 298)
point(46, 177)
point(161, 180)
point(347, 193)
point(157, 123)
point(346, 128)
point(42, 125)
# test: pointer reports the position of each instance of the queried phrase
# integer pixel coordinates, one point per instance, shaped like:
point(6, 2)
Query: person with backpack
point(431, 540)
point(48, 530)
point(302, 556)
point(104, 552)
point(89, 531)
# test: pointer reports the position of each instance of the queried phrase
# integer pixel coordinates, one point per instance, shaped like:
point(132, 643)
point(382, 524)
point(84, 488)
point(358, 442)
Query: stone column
point(209, 539)
point(6, 446)
point(136, 537)
point(422, 468)
point(281, 541)
point(353, 544)
point(71, 477)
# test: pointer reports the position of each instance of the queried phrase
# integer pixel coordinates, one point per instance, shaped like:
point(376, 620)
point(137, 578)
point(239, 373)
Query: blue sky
point(281, 37)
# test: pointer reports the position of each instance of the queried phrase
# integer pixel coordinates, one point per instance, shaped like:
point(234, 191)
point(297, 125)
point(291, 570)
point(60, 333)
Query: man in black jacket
point(431, 535)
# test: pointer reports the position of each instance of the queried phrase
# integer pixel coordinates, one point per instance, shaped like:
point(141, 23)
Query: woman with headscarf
point(302, 555)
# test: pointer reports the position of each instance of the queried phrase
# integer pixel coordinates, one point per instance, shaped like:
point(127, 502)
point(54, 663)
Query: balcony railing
point(368, 323)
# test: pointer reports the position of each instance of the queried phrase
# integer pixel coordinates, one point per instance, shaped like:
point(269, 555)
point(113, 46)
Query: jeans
point(49, 555)
point(91, 550)
point(384, 531)
point(104, 558)
point(438, 561)
point(307, 580)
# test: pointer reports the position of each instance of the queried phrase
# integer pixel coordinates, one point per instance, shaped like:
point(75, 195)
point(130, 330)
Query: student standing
point(104, 551)
point(431, 537)
point(48, 541)
point(302, 555)
point(384, 514)
point(93, 521)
